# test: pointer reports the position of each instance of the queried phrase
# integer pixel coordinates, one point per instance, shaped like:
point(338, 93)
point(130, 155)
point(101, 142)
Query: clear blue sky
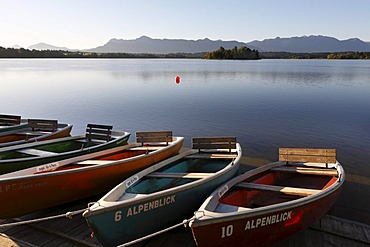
point(90, 23)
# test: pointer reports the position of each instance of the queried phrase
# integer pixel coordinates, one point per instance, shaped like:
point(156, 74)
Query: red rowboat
point(268, 204)
point(51, 184)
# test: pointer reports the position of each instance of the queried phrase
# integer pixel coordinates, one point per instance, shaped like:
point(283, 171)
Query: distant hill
point(310, 44)
point(145, 44)
point(43, 46)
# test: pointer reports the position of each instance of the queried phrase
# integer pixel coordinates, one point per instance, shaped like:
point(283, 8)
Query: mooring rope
point(68, 215)
point(156, 233)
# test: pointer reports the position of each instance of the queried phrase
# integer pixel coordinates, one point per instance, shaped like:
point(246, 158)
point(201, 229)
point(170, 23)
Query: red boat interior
point(274, 187)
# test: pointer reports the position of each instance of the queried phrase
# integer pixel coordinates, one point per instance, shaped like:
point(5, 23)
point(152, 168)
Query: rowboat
point(164, 193)
point(97, 138)
point(11, 123)
point(32, 130)
point(52, 184)
point(268, 204)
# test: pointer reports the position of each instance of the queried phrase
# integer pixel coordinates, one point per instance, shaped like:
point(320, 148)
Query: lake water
point(267, 104)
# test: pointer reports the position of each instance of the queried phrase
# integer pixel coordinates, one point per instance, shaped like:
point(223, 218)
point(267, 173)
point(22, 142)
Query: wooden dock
point(329, 231)
point(62, 231)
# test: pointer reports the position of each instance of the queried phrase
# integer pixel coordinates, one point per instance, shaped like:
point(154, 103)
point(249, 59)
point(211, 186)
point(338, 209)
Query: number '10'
point(227, 231)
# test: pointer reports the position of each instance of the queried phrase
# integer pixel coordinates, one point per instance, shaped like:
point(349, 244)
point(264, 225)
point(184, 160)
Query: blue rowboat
point(165, 193)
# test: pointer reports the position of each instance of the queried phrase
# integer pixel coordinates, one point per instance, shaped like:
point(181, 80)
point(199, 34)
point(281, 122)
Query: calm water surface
point(267, 104)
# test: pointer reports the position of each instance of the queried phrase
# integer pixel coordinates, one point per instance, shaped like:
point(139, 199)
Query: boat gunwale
point(212, 217)
point(103, 205)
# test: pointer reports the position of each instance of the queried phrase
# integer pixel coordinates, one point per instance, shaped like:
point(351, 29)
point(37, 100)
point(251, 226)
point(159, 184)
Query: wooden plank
point(36, 152)
point(154, 136)
point(94, 162)
point(307, 151)
point(43, 124)
point(211, 156)
point(224, 142)
point(310, 171)
point(99, 132)
point(10, 119)
point(178, 175)
point(285, 190)
point(307, 155)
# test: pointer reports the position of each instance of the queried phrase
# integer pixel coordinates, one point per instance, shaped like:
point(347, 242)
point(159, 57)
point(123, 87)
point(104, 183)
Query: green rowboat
point(97, 138)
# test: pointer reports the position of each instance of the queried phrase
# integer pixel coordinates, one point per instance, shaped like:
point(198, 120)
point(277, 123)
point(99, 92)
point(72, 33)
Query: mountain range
point(144, 44)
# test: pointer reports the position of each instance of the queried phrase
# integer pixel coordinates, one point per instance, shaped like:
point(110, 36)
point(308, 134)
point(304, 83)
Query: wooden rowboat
point(165, 193)
point(68, 180)
point(10, 123)
point(266, 205)
point(97, 138)
point(33, 130)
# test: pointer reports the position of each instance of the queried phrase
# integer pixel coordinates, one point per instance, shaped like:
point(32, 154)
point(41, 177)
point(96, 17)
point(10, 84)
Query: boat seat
point(282, 189)
point(307, 155)
point(156, 137)
point(43, 124)
point(212, 156)
point(36, 152)
point(98, 133)
point(305, 170)
point(94, 162)
point(179, 175)
point(223, 142)
point(8, 120)
point(146, 148)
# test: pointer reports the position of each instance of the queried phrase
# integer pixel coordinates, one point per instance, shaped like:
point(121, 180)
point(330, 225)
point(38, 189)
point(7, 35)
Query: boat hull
point(23, 134)
point(151, 215)
point(41, 191)
point(62, 148)
point(163, 195)
point(263, 229)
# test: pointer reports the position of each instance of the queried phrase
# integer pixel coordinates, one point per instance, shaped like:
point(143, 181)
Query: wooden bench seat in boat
point(211, 156)
point(307, 170)
point(146, 148)
point(285, 190)
point(307, 155)
point(94, 162)
point(43, 124)
point(36, 152)
point(179, 175)
point(9, 119)
point(225, 142)
point(156, 137)
point(98, 133)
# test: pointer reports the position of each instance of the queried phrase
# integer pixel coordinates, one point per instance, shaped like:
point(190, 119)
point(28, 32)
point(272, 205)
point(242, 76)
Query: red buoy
point(177, 79)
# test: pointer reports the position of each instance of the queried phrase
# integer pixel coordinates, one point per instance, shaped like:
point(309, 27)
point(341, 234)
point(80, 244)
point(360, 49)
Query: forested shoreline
point(236, 53)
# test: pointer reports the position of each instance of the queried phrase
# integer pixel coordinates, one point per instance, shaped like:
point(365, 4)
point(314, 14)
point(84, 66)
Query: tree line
point(317, 55)
point(222, 53)
point(242, 53)
point(26, 53)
